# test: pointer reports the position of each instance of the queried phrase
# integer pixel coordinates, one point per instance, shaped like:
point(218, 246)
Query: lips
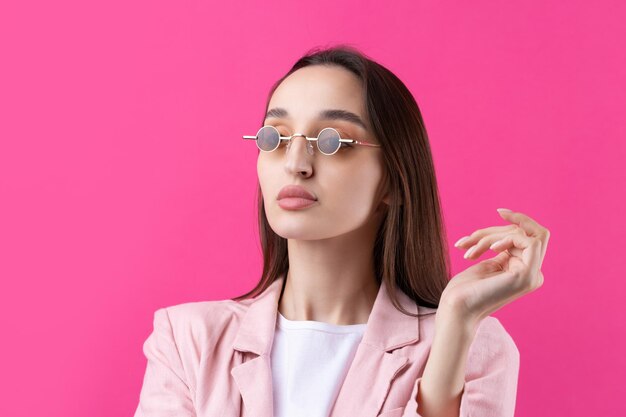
point(295, 191)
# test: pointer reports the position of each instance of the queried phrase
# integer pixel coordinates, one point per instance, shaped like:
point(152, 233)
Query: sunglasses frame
point(341, 140)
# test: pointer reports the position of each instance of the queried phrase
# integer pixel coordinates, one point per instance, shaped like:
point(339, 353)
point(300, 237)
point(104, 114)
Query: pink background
point(125, 185)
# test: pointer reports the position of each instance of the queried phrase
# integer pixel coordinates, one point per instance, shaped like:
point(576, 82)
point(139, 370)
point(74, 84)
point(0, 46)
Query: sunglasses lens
point(267, 138)
point(328, 141)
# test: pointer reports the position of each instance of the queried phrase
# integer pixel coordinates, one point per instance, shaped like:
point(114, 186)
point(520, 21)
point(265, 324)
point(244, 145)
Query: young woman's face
point(347, 183)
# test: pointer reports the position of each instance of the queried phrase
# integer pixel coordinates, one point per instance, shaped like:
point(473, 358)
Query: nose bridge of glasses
point(308, 144)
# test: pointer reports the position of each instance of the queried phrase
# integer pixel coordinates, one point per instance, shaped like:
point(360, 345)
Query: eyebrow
point(329, 114)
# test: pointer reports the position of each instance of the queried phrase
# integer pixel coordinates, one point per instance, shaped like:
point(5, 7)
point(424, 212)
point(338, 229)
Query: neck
point(329, 281)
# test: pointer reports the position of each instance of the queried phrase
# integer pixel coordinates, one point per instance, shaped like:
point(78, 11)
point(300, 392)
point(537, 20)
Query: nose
point(298, 160)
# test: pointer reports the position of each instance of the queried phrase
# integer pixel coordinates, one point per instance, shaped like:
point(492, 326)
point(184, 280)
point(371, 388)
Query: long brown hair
point(411, 247)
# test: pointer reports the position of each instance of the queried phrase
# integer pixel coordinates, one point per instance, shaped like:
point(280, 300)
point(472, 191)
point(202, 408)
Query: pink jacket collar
point(387, 328)
point(370, 374)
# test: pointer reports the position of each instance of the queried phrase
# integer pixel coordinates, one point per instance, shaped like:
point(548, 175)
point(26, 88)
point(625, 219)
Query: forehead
point(309, 90)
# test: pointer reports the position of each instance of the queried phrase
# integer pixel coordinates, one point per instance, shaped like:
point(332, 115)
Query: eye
point(344, 144)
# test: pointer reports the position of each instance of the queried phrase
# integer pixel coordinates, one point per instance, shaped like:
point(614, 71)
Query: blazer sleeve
point(165, 391)
point(491, 375)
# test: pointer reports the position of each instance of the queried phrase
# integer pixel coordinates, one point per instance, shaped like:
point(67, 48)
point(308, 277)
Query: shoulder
point(493, 348)
point(491, 336)
point(201, 320)
point(201, 311)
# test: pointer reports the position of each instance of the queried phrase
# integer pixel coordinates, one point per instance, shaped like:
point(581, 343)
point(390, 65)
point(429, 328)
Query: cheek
point(354, 189)
point(264, 168)
point(264, 175)
point(270, 175)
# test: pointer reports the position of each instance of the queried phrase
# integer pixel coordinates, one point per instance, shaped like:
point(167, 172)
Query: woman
point(355, 314)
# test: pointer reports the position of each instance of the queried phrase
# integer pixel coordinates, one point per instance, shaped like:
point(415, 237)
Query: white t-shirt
point(310, 360)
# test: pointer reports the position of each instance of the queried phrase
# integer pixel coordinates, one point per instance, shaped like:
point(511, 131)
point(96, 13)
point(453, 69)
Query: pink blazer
point(212, 359)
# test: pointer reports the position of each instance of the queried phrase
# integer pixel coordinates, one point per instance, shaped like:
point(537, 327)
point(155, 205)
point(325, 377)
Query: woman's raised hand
point(490, 284)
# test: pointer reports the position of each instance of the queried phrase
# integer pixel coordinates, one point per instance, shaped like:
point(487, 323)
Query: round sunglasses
point(328, 140)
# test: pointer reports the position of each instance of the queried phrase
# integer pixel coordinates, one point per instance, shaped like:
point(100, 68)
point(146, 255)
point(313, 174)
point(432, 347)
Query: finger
point(501, 260)
point(530, 246)
point(491, 266)
point(470, 240)
point(530, 226)
point(485, 242)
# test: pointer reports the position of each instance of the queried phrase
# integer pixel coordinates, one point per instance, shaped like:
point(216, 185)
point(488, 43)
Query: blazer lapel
point(375, 364)
point(371, 372)
point(254, 338)
point(254, 379)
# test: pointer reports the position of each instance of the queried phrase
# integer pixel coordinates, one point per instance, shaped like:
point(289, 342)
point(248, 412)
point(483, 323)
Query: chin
point(296, 232)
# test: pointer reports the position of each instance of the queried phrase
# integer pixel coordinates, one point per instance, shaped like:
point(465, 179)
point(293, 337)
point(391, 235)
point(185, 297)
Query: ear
point(389, 200)
point(387, 196)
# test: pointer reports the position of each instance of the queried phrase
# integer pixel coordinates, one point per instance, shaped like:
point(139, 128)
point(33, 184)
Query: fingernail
point(469, 252)
point(460, 241)
point(496, 243)
point(504, 209)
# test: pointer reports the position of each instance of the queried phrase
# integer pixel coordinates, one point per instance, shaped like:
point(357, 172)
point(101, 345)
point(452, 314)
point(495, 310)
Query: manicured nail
point(469, 252)
point(504, 209)
point(460, 241)
point(496, 243)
